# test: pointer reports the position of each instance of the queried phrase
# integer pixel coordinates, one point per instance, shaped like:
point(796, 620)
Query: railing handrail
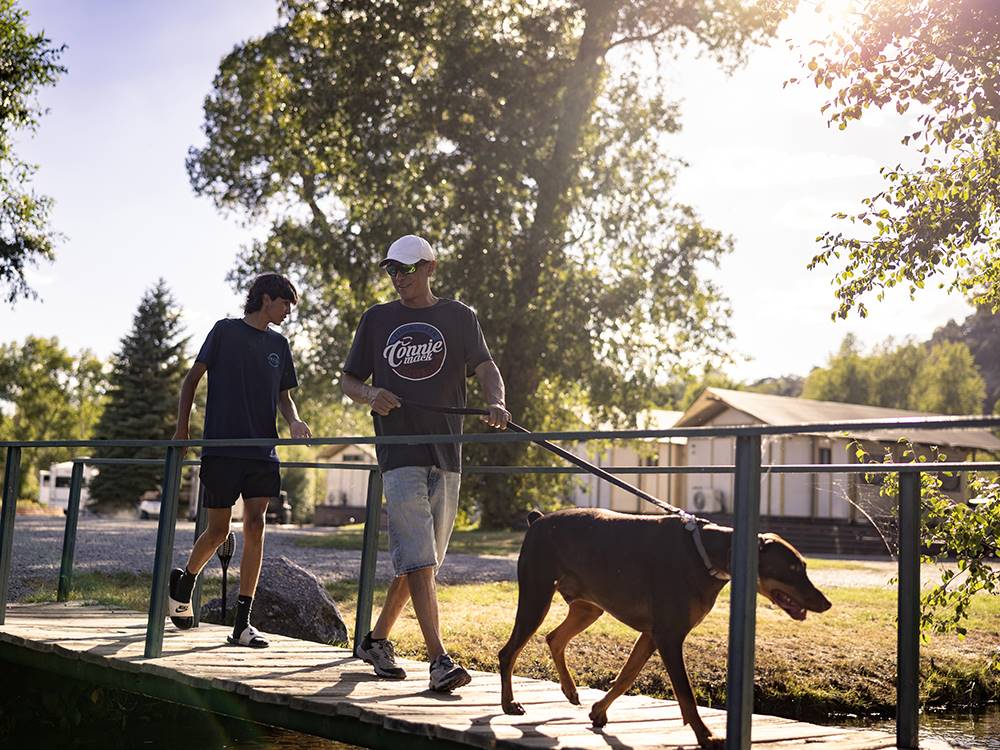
point(856, 468)
point(747, 472)
point(858, 425)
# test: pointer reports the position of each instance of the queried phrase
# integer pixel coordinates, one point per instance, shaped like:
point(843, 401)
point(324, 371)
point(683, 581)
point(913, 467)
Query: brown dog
point(648, 573)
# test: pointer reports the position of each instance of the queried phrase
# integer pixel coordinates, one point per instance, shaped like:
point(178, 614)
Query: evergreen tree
point(142, 399)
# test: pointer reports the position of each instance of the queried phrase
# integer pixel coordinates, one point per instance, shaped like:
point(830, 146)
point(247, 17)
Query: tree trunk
point(520, 363)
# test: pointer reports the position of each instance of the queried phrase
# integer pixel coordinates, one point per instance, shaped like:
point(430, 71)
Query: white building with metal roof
point(819, 495)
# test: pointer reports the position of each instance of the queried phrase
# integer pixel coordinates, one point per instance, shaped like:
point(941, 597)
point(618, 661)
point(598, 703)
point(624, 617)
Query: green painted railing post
point(743, 597)
point(69, 535)
point(908, 632)
point(164, 551)
point(11, 482)
point(369, 557)
point(200, 521)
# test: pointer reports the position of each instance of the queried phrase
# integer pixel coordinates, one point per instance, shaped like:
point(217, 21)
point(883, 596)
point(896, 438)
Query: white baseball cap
point(409, 249)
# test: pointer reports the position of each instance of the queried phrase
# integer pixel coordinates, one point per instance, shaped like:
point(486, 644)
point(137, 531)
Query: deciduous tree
point(940, 378)
point(937, 221)
point(47, 394)
point(28, 61)
point(502, 133)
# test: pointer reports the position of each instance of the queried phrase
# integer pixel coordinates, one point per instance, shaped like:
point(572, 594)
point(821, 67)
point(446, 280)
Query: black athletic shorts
point(225, 479)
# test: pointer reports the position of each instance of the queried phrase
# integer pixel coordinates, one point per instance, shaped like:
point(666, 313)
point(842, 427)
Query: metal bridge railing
point(747, 471)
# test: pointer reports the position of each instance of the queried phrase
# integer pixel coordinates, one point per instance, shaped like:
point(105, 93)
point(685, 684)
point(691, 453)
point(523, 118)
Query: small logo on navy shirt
point(274, 360)
point(415, 351)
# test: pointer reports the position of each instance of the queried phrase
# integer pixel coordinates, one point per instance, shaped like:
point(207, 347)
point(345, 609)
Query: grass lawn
point(842, 661)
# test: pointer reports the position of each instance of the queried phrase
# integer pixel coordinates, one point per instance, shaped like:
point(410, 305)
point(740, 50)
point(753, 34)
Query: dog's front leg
point(672, 653)
point(641, 652)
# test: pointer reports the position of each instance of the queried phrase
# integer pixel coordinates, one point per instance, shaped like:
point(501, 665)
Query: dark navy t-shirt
point(424, 354)
point(247, 370)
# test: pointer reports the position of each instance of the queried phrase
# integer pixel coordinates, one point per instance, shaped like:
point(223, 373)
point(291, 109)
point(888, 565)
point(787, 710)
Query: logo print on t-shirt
point(415, 351)
point(273, 359)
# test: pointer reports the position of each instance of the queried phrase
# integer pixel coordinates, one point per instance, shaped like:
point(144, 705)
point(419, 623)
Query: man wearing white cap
point(418, 348)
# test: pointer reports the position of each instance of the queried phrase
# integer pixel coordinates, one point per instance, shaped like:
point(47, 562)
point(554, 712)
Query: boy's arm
point(290, 412)
point(491, 382)
point(188, 388)
point(381, 400)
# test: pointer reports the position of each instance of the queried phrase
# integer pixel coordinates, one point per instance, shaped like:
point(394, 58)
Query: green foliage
point(964, 533)
point(847, 379)
point(29, 62)
point(46, 393)
point(938, 219)
point(784, 385)
point(981, 333)
point(500, 132)
point(939, 377)
point(142, 398)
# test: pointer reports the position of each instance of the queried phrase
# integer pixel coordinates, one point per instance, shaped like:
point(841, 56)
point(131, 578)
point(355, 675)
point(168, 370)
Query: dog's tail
point(534, 516)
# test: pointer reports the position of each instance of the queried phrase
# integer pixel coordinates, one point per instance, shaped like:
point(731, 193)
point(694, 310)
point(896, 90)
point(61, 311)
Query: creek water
point(40, 710)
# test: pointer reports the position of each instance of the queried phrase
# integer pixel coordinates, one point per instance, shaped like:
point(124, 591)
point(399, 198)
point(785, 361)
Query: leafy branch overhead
point(28, 62)
point(937, 61)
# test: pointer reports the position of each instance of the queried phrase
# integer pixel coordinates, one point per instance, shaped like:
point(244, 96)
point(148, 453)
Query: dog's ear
point(763, 540)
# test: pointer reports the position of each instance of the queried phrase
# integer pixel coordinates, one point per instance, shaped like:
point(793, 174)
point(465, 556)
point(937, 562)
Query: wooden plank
point(328, 684)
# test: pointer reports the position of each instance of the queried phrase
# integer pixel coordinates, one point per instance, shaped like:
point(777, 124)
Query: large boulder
point(289, 601)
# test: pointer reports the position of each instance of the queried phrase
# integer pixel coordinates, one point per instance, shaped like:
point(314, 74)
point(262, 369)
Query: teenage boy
point(420, 348)
point(250, 376)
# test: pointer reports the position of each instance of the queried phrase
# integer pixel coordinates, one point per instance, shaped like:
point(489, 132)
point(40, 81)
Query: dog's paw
point(712, 742)
point(572, 695)
point(598, 717)
point(513, 709)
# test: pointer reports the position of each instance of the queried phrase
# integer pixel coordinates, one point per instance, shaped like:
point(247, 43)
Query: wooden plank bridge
point(323, 690)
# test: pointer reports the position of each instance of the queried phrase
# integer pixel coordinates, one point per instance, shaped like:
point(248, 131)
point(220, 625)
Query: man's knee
point(253, 525)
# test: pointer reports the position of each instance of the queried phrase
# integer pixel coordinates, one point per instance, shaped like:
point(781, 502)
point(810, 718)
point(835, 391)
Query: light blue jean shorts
point(421, 502)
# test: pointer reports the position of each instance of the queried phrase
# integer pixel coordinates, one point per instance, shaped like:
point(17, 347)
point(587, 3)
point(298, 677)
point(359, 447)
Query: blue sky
point(764, 167)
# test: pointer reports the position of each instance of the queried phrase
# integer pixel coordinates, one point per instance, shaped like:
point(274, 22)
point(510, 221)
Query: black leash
point(562, 453)
point(691, 522)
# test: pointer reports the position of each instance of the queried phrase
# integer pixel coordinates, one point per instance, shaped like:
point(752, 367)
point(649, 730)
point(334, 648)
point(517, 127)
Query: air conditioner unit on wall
point(706, 500)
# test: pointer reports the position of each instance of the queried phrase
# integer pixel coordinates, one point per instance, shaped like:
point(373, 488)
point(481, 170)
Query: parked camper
point(53, 484)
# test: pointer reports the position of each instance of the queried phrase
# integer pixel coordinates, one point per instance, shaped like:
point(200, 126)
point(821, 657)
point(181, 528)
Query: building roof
point(763, 408)
point(333, 452)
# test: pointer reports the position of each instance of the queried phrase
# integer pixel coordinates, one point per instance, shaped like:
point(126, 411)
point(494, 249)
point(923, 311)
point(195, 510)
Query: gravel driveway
point(108, 545)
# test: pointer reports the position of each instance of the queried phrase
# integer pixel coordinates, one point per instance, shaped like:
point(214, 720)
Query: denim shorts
point(421, 502)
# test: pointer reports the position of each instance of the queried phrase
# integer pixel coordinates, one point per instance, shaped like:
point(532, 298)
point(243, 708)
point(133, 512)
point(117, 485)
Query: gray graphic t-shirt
point(423, 354)
point(247, 370)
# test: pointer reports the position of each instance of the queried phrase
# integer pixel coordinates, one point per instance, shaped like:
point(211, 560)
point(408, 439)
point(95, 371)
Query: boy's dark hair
point(274, 285)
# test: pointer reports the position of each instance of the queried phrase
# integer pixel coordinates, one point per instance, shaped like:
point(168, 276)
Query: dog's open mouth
point(787, 603)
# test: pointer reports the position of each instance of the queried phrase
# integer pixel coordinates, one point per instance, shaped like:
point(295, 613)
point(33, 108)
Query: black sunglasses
point(406, 269)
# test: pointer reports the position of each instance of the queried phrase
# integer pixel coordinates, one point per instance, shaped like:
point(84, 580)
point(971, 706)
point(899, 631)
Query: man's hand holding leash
point(498, 418)
point(381, 400)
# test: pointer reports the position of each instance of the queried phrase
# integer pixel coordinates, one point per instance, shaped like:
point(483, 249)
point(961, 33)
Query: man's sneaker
point(178, 610)
point(446, 675)
point(381, 655)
